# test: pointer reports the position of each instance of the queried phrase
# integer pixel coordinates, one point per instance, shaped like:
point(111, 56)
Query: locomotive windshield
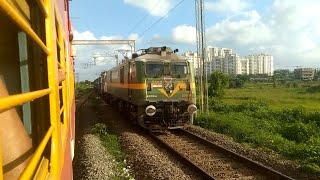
point(178, 69)
point(154, 69)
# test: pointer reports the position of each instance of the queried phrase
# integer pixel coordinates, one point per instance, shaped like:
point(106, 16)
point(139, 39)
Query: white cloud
point(110, 37)
point(184, 34)
point(90, 68)
point(135, 36)
point(86, 35)
point(247, 31)
point(157, 7)
point(287, 29)
point(295, 24)
point(223, 6)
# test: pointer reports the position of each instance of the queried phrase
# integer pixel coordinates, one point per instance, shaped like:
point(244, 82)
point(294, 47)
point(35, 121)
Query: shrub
point(292, 137)
point(298, 132)
point(313, 89)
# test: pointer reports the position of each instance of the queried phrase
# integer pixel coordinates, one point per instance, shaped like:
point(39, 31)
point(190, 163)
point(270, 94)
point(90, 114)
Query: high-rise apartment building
point(222, 59)
point(228, 62)
point(260, 64)
point(195, 58)
point(244, 66)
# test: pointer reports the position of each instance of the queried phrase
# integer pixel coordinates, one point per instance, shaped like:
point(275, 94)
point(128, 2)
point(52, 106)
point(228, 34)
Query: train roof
point(154, 54)
point(159, 53)
point(167, 56)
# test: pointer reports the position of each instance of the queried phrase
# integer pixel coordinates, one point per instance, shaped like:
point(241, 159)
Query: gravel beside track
point(146, 159)
point(91, 160)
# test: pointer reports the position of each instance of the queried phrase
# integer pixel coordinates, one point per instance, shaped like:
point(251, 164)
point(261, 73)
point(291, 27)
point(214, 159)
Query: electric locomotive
point(156, 88)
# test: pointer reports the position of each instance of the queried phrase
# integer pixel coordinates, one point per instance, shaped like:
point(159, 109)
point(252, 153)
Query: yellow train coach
point(36, 90)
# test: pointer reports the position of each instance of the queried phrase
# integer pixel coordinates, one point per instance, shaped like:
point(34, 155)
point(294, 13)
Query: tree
point(218, 82)
point(274, 80)
point(243, 77)
point(316, 76)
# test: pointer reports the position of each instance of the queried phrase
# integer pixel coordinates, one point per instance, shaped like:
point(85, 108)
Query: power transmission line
point(140, 35)
point(143, 17)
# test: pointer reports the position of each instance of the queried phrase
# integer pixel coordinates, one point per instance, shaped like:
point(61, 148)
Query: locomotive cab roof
point(158, 53)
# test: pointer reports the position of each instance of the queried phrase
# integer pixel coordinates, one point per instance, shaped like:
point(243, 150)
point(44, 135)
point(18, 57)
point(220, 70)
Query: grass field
point(82, 88)
point(285, 120)
point(277, 97)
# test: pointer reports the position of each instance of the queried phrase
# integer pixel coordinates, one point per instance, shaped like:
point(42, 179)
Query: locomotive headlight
point(192, 109)
point(151, 110)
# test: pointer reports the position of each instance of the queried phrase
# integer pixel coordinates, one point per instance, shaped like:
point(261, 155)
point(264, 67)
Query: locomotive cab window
point(154, 69)
point(122, 74)
point(179, 69)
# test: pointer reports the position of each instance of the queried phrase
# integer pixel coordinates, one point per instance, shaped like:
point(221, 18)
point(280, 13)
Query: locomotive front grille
point(168, 115)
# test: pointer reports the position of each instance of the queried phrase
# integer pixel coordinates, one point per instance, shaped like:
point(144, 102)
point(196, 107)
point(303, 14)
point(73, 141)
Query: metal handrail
point(22, 23)
point(52, 21)
point(1, 171)
point(33, 163)
point(43, 8)
point(50, 27)
point(15, 100)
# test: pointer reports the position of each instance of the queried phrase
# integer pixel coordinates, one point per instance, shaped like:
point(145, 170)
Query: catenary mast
point(201, 50)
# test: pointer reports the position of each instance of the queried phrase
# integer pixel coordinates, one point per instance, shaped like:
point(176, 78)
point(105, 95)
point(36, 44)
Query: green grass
point(82, 88)
point(285, 120)
point(278, 97)
point(111, 143)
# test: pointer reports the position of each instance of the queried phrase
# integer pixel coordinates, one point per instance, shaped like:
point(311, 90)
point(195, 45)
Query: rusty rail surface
point(269, 172)
point(183, 158)
point(257, 168)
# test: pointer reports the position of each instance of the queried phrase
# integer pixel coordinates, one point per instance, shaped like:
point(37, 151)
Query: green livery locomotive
point(156, 88)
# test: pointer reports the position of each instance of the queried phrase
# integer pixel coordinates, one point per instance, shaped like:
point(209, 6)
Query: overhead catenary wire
point(140, 35)
point(134, 27)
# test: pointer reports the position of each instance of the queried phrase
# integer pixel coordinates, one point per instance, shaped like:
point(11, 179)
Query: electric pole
point(201, 49)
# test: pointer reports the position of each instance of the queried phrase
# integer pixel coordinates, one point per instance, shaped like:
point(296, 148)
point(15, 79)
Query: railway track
point(210, 160)
point(82, 99)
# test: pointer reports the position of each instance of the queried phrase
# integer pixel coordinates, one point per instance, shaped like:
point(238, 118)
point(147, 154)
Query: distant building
point(195, 58)
point(228, 62)
point(260, 64)
point(305, 74)
point(222, 59)
point(244, 65)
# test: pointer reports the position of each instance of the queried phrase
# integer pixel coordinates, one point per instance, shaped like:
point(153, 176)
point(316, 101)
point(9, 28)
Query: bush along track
point(112, 145)
point(293, 133)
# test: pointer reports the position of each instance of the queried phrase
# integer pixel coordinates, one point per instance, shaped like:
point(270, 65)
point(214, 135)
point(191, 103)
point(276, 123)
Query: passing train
point(36, 90)
point(156, 88)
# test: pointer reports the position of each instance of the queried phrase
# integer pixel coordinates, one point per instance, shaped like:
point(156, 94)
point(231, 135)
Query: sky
point(287, 29)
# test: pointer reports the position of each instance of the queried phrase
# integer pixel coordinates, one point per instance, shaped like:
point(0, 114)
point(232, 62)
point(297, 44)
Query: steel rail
point(86, 97)
point(182, 158)
point(237, 157)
